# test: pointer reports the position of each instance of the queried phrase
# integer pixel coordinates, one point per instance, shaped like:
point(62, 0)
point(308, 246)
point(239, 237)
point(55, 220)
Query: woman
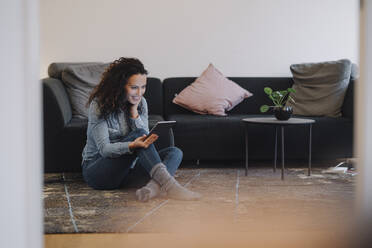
point(117, 136)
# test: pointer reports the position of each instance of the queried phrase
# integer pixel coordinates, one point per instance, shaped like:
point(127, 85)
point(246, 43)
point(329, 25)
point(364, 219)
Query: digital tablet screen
point(161, 126)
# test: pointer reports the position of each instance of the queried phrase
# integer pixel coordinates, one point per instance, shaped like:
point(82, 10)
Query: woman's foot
point(178, 192)
point(168, 184)
point(143, 194)
point(149, 191)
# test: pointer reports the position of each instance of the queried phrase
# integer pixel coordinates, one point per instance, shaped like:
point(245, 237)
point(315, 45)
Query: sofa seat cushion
point(209, 137)
point(332, 138)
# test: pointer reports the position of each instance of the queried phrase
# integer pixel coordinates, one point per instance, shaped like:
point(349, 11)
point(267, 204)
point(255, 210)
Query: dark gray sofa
point(201, 137)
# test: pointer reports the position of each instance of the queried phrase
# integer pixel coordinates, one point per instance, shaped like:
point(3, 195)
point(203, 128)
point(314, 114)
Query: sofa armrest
point(56, 107)
point(347, 108)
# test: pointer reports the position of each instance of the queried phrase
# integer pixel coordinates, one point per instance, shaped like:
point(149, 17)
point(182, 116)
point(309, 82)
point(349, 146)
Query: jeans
point(112, 173)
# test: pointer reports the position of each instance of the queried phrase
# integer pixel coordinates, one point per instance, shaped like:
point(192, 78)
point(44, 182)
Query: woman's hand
point(134, 110)
point(143, 141)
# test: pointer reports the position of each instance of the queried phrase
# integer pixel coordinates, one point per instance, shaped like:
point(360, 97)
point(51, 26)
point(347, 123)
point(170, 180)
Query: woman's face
point(135, 88)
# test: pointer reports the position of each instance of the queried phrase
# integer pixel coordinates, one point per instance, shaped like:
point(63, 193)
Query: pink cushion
point(211, 93)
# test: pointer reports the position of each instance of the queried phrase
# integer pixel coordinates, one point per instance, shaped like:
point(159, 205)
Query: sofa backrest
point(153, 94)
point(251, 105)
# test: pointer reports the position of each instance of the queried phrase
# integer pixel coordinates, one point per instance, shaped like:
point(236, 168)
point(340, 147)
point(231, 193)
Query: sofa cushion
point(320, 87)
point(209, 137)
point(80, 80)
point(211, 93)
point(55, 69)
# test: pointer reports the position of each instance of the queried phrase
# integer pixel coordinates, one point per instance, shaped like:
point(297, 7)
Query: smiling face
point(135, 88)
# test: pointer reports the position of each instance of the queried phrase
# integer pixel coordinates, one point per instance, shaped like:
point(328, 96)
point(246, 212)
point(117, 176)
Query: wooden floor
point(267, 239)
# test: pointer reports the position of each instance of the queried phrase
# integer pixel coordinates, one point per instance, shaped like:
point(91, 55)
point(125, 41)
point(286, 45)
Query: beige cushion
point(211, 93)
point(320, 87)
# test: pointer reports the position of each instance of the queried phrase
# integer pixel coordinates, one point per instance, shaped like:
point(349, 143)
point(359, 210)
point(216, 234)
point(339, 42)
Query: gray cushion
point(55, 69)
point(80, 80)
point(320, 87)
point(354, 71)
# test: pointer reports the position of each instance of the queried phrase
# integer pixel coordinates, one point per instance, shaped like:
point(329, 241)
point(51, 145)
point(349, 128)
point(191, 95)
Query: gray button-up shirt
point(104, 136)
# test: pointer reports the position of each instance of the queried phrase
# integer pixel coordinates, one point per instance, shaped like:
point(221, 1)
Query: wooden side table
point(271, 121)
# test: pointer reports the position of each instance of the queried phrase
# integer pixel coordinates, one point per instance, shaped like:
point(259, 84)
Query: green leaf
point(283, 99)
point(277, 95)
point(264, 108)
point(275, 101)
point(268, 90)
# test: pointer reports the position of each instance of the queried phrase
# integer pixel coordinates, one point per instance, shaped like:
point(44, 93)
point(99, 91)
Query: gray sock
point(168, 184)
point(149, 191)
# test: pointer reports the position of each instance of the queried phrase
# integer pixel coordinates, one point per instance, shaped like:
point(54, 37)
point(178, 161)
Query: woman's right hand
point(143, 141)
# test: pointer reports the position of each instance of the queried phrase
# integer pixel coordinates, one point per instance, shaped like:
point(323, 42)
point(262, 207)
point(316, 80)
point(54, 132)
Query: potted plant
point(279, 98)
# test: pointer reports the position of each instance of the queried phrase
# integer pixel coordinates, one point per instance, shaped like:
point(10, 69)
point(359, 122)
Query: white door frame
point(20, 125)
point(363, 110)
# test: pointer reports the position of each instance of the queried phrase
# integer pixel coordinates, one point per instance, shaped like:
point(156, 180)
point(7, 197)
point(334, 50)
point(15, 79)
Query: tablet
point(161, 126)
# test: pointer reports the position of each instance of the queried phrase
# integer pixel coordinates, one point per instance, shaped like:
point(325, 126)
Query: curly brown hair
point(109, 93)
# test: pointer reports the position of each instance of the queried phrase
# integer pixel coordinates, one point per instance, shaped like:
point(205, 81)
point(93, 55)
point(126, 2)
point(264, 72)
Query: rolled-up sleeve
point(142, 121)
point(101, 136)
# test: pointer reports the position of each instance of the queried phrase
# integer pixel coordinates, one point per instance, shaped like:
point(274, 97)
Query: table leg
point(246, 150)
point(276, 148)
point(282, 152)
point(310, 136)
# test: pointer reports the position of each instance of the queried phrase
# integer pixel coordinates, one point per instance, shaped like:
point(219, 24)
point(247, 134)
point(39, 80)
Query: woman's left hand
point(143, 141)
point(134, 110)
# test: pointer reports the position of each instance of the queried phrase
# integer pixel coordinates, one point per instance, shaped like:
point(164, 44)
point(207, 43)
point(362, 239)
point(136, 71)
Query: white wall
point(20, 126)
point(180, 37)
